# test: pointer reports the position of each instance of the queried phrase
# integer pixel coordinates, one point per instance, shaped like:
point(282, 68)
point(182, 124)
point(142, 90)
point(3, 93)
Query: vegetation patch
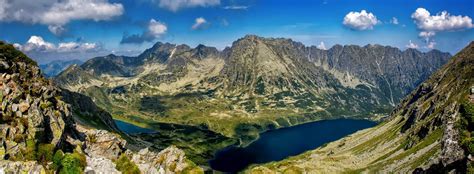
point(124, 165)
point(45, 153)
point(199, 144)
point(72, 163)
point(466, 127)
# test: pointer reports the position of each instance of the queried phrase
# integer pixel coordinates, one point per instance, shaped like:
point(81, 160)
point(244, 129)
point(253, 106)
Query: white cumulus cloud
point(200, 23)
point(57, 13)
point(411, 45)
point(97, 10)
point(429, 24)
point(43, 51)
point(440, 22)
point(360, 20)
point(77, 47)
point(38, 44)
point(155, 29)
point(322, 46)
point(175, 5)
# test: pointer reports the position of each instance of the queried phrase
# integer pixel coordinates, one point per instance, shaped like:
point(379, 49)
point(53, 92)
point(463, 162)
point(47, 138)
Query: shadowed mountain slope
point(430, 131)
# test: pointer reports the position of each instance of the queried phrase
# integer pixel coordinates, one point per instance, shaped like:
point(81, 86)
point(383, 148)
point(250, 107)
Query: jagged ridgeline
point(38, 132)
point(255, 85)
point(431, 131)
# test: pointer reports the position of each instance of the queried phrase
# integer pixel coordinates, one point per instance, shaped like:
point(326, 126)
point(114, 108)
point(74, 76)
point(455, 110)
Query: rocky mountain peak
point(412, 51)
point(336, 47)
point(250, 37)
point(159, 52)
point(183, 47)
point(202, 51)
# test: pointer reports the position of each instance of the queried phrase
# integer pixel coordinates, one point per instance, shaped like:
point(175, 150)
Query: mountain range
point(429, 132)
point(255, 85)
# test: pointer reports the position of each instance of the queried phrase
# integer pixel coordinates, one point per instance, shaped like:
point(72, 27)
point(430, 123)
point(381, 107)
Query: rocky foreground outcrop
point(39, 135)
point(102, 148)
point(32, 114)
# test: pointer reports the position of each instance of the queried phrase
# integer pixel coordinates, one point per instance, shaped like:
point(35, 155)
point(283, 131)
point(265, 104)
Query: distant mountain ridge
point(387, 67)
point(256, 84)
point(53, 68)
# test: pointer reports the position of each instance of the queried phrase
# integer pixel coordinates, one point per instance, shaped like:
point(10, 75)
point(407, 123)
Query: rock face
point(21, 167)
point(275, 82)
point(40, 135)
point(104, 147)
point(429, 132)
point(32, 112)
point(169, 160)
point(87, 113)
point(396, 73)
point(100, 165)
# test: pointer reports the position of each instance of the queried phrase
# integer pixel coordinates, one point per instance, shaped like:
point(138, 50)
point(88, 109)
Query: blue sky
point(84, 32)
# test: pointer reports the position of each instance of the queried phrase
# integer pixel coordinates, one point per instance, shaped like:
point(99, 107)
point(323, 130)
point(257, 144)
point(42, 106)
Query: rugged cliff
point(39, 133)
point(429, 131)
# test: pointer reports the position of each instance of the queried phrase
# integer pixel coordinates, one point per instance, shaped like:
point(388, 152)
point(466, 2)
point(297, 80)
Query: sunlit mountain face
point(257, 86)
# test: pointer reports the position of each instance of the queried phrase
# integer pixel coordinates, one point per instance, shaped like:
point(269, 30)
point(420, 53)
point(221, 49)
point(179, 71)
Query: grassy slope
point(397, 144)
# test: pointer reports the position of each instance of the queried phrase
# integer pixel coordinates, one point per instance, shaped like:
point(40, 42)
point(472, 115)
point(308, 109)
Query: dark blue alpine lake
point(131, 128)
point(272, 145)
point(279, 144)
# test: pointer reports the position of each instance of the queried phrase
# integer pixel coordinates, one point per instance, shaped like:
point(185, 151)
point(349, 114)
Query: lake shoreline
point(151, 130)
point(272, 142)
